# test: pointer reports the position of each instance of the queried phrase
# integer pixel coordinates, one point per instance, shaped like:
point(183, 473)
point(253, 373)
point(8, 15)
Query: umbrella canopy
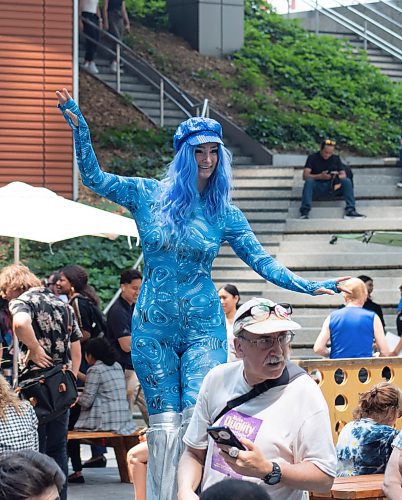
point(392, 238)
point(36, 213)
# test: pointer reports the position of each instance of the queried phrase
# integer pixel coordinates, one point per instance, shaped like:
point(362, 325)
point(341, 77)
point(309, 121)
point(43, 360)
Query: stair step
point(342, 225)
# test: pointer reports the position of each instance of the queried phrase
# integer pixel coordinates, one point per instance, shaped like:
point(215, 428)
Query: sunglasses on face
point(268, 342)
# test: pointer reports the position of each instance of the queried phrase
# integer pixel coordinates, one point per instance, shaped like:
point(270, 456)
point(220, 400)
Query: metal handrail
point(157, 76)
point(369, 7)
point(391, 5)
point(369, 19)
point(356, 28)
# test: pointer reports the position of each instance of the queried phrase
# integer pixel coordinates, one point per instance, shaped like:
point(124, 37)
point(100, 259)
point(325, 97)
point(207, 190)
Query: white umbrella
point(36, 213)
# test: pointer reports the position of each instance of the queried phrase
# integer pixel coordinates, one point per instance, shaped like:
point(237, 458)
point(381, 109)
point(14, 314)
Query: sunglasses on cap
point(262, 312)
point(328, 142)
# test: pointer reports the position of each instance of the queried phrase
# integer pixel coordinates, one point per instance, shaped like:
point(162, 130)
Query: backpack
point(97, 318)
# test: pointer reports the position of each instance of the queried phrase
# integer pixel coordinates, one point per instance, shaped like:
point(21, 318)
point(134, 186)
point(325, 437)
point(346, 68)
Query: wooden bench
point(120, 443)
point(361, 487)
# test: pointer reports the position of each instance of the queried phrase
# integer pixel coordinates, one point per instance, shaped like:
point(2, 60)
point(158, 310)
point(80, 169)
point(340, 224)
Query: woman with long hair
point(230, 298)
point(18, 421)
point(178, 324)
point(365, 444)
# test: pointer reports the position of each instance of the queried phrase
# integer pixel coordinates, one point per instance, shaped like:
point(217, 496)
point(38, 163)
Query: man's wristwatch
point(274, 476)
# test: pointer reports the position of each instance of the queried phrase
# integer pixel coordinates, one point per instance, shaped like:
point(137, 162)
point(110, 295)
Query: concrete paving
point(100, 484)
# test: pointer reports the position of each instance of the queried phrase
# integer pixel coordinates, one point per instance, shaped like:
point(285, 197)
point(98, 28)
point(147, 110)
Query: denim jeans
point(53, 442)
point(317, 189)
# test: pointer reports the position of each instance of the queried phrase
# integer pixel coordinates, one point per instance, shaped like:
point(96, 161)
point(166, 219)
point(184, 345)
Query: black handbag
point(51, 391)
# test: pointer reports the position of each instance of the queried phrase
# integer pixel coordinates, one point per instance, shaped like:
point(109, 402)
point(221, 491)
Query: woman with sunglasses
point(178, 324)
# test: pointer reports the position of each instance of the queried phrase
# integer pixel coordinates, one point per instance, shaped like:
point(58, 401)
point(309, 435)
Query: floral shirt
point(397, 443)
point(50, 322)
point(364, 447)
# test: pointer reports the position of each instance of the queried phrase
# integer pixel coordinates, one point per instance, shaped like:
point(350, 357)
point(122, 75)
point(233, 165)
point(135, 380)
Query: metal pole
point(365, 35)
point(75, 89)
point(16, 349)
point(16, 352)
point(317, 18)
point(205, 109)
point(162, 104)
point(16, 250)
point(118, 83)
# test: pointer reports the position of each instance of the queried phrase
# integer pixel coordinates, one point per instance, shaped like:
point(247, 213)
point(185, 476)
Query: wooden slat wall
point(36, 59)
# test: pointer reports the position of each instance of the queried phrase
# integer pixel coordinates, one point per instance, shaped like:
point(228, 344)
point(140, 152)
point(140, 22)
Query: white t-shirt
point(89, 6)
point(288, 423)
point(230, 338)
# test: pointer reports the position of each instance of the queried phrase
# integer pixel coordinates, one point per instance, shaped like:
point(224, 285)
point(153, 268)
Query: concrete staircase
point(146, 98)
point(388, 65)
point(270, 198)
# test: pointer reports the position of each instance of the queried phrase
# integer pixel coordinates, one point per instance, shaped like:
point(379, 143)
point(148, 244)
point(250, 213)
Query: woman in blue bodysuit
point(178, 327)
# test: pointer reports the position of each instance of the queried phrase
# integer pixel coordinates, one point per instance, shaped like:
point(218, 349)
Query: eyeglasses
point(329, 142)
point(268, 342)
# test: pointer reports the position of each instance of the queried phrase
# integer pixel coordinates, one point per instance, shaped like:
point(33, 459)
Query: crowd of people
point(213, 379)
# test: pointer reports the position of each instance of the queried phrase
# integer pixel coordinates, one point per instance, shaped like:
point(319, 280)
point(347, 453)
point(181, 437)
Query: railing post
point(205, 109)
point(365, 35)
point(317, 18)
point(118, 76)
point(161, 95)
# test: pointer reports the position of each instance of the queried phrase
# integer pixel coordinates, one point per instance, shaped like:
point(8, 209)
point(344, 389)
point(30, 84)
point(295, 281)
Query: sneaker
point(352, 214)
point(92, 68)
point(86, 64)
point(113, 66)
point(399, 184)
point(304, 216)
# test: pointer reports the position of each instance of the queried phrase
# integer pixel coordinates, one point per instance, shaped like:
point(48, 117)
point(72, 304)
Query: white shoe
point(399, 184)
point(113, 66)
point(86, 64)
point(92, 68)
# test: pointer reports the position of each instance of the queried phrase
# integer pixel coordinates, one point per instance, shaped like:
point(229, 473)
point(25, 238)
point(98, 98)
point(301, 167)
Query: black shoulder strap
point(290, 373)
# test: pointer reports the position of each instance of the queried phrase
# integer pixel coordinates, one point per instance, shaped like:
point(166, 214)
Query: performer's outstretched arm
point(243, 241)
point(121, 190)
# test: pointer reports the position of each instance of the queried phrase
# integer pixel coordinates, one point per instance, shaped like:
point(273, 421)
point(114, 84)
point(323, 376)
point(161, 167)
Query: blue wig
point(179, 190)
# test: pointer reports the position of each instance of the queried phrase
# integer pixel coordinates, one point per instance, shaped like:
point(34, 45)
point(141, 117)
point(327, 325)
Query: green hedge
point(294, 88)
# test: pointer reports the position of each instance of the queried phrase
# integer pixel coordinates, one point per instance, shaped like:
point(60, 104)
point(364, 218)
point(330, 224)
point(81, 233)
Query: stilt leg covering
point(164, 448)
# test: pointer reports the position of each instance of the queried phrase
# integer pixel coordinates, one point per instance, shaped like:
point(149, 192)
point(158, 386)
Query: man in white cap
point(274, 408)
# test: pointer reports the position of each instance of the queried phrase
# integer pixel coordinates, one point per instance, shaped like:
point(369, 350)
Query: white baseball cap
point(262, 316)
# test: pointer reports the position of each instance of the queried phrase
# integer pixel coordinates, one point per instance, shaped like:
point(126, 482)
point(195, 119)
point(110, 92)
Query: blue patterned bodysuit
point(178, 326)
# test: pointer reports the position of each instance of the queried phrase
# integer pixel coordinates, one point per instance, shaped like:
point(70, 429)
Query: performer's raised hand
point(327, 291)
point(63, 96)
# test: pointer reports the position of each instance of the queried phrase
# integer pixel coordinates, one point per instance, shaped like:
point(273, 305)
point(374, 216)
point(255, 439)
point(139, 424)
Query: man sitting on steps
point(324, 174)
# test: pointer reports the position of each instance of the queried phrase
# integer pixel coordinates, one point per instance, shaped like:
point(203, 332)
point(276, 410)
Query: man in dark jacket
point(324, 174)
